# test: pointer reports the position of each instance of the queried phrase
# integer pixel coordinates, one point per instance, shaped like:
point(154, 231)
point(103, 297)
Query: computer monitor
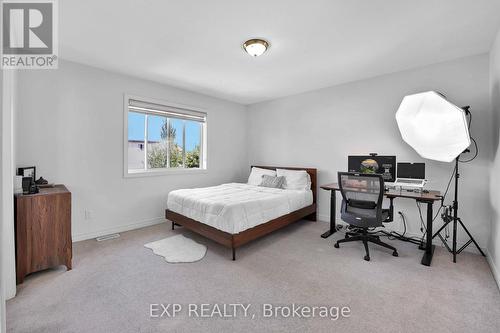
point(411, 170)
point(384, 165)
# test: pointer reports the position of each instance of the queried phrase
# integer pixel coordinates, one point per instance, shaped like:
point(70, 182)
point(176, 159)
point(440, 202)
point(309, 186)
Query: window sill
point(163, 172)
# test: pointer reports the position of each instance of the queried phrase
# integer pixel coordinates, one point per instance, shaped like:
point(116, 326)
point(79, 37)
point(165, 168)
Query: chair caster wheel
point(395, 253)
point(367, 258)
point(336, 245)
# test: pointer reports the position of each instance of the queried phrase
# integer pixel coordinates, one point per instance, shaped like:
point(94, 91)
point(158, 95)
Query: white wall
point(6, 182)
point(320, 128)
point(2, 298)
point(70, 125)
point(494, 244)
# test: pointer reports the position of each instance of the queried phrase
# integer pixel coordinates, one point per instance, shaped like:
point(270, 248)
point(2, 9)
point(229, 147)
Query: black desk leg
point(429, 248)
point(333, 210)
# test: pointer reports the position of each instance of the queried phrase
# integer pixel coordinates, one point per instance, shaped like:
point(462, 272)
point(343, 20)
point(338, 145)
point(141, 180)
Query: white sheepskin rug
point(178, 249)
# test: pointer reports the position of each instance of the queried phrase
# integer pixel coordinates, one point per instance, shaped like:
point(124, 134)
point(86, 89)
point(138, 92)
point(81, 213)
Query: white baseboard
point(323, 218)
point(493, 267)
point(117, 229)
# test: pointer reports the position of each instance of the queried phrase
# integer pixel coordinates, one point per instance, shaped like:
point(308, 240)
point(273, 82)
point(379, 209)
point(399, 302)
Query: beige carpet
point(113, 283)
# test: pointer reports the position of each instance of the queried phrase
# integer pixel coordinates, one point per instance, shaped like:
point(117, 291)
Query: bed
point(234, 214)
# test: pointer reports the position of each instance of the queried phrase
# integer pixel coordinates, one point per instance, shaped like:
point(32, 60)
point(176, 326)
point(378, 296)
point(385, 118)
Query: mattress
point(236, 207)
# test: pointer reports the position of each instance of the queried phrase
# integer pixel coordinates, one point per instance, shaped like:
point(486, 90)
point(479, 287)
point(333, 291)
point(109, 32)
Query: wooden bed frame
point(234, 241)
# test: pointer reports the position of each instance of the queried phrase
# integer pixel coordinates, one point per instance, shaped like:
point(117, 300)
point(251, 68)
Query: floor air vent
point(107, 237)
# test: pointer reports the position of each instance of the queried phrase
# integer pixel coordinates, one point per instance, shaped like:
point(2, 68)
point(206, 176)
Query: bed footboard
point(234, 241)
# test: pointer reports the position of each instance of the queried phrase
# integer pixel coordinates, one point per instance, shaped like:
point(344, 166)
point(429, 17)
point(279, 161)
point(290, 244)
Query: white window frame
point(162, 171)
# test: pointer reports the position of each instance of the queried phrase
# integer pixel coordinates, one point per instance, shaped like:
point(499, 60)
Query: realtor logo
point(29, 34)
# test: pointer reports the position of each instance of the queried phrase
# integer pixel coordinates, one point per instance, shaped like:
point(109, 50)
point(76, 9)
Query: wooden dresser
point(43, 230)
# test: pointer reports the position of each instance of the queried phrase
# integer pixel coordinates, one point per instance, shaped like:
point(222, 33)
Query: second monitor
point(384, 165)
point(411, 170)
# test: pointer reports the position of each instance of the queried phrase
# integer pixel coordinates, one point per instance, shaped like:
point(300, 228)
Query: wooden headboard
point(311, 171)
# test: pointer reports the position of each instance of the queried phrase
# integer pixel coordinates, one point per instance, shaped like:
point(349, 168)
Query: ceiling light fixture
point(255, 47)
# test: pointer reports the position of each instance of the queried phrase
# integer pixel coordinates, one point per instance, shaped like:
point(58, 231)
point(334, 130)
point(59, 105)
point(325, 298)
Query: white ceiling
point(196, 45)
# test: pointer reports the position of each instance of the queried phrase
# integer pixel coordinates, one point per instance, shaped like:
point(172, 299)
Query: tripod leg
point(464, 246)
point(444, 243)
point(472, 238)
point(440, 229)
point(454, 241)
point(455, 211)
point(438, 233)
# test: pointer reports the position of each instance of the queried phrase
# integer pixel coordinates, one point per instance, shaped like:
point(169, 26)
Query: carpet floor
point(113, 283)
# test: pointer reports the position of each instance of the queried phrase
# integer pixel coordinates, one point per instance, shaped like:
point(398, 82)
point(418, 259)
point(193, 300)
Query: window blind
point(165, 110)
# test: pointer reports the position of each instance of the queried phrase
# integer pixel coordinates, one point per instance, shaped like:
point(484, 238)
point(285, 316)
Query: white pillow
point(295, 179)
point(255, 177)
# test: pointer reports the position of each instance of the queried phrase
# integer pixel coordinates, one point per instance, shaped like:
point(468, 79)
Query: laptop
point(410, 175)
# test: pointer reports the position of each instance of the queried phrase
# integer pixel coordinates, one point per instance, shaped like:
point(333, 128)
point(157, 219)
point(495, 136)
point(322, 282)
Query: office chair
point(362, 196)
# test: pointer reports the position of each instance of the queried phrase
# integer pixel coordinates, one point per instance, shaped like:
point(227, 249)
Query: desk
point(428, 198)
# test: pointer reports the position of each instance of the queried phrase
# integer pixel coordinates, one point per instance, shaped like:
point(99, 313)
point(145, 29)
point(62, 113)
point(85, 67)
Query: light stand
point(455, 219)
point(438, 130)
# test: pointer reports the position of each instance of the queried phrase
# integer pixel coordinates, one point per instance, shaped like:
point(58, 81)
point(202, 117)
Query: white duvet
point(235, 207)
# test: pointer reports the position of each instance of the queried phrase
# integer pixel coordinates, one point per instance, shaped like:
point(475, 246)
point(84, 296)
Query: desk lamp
point(438, 130)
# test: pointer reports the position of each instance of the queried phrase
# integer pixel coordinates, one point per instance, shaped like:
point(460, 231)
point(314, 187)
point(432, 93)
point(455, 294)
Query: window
point(161, 137)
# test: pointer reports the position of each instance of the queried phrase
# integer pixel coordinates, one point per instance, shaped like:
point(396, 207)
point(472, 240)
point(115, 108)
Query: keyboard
point(410, 182)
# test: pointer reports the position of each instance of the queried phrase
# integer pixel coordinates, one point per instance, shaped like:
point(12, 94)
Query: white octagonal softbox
point(434, 127)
